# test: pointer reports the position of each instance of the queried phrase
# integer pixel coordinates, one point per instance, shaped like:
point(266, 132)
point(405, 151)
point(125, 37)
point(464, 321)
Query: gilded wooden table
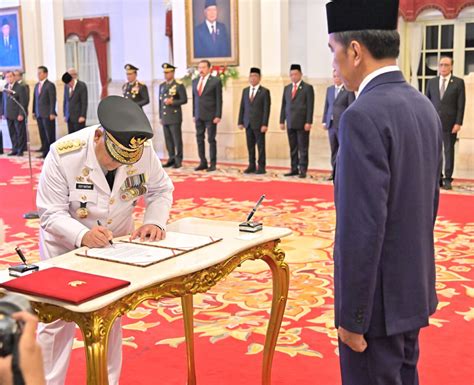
point(183, 276)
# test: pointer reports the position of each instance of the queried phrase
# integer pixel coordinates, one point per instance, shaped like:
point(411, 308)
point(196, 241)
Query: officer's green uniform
point(171, 117)
point(135, 91)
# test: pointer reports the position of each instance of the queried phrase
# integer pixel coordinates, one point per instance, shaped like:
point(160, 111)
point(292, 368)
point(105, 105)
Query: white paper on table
point(131, 253)
point(181, 241)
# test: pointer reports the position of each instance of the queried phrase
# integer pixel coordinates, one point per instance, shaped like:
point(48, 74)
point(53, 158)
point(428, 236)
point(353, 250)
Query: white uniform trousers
point(56, 340)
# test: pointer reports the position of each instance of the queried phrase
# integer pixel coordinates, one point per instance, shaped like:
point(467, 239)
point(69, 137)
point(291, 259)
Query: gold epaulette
point(69, 146)
point(178, 81)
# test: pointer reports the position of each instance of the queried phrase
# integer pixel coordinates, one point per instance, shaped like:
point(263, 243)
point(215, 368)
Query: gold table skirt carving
point(95, 326)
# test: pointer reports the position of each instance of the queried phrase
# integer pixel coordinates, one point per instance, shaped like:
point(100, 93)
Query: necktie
point(213, 33)
point(252, 95)
point(338, 89)
point(293, 93)
point(6, 42)
point(201, 81)
point(39, 87)
point(71, 90)
point(110, 176)
point(443, 88)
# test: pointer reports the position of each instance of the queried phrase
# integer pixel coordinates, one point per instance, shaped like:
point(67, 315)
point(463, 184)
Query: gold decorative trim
point(96, 326)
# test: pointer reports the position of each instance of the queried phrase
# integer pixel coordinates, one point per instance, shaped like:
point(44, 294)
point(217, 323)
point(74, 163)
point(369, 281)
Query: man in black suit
point(172, 97)
point(133, 89)
point(448, 95)
point(207, 113)
point(44, 110)
point(13, 113)
point(9, 52)
point(297, 108)
point(337, 100)
point(74, 103)
point(210, 37)
point(19, 79)
point(253, 116)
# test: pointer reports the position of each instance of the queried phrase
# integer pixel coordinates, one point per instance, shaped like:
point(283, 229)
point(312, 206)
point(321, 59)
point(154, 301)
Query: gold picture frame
point(221, 47)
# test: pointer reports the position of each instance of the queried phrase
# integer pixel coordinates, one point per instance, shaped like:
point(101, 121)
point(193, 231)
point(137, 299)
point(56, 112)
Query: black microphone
point(8, 91)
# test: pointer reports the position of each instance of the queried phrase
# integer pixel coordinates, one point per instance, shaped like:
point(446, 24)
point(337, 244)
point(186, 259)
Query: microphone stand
point(30, 214)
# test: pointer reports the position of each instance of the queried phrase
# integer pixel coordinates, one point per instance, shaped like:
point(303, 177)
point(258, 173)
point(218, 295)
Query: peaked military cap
point(126, 128)
point(168, 67)
point(130, 68)
point(348, 15)
point(295, 67)
point(66, 78)
point(210, 3)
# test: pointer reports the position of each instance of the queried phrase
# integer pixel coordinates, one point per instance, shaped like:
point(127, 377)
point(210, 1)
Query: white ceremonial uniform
point(72, 177)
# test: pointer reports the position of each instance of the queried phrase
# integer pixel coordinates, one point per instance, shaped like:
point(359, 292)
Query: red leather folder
point(64, 285)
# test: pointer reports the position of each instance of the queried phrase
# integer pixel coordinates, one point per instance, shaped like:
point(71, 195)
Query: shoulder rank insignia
point(148, 143)
point(69, 146)
point(178, 81)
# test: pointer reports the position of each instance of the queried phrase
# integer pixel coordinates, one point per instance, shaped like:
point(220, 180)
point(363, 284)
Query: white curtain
point(82, 56)
point(416, 44)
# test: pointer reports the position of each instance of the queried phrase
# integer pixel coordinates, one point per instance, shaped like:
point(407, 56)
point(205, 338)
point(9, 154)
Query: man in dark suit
point(13, 113)
point(253, 116)
point(337, 100)
point(74, 103)
point(44, 110)
point(133, 89)
point(19, 79)
point(386, 196)
point(210, 37)
point(297, 108)
point(448, 95)
point(172, 97)
point(9, 52)
point(207, 113)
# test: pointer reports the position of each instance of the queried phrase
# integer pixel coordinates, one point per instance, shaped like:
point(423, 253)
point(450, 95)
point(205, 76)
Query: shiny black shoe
point(201, 167)
point(250, 170)
point(212, 168)
point(447, 185)
point(177, 165)
point(19, 154)
point(13, 153)
point(302, 175)
point(169, 163)
point(291, 173)
point(261, 171)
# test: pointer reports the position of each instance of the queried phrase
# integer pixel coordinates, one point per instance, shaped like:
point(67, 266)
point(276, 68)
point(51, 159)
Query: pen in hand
point(110, 241)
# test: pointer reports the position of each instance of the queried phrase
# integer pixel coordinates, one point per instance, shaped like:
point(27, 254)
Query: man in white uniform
point(98, 174)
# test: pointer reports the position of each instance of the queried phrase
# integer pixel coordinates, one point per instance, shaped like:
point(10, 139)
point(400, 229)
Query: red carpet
point(230, 320)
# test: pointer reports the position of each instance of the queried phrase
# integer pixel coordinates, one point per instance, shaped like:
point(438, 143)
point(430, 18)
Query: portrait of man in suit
point(9, 47)
point(212, 35)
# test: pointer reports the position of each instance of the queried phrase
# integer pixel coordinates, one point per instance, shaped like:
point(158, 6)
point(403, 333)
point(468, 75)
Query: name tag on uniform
point(84, 186)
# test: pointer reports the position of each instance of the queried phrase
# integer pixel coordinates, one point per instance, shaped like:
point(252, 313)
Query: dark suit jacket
point(333, 108)
point(386, 195)
point(44, 104)
point(137, 92)
point(11, 110)
point(209, 105)
point(27, 94)
point(298, 111)
point(172, 114)
point(451, 108)
point(9, 56)
point(205, 46)
point(255, 114)
point(75, 105)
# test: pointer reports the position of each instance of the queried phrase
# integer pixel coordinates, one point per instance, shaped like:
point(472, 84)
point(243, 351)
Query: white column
point(249, 35)
point(179, 37)
point(274, 36)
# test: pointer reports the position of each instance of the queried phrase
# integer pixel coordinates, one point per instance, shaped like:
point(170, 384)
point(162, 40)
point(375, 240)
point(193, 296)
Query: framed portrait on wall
point(11, 39)
point(212, 31)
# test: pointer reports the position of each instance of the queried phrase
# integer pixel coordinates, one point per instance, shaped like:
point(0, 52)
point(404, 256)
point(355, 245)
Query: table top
point(233, 242)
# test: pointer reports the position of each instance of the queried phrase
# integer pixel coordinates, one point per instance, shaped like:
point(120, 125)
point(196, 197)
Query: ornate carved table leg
point(281, 280)
point(188, 317)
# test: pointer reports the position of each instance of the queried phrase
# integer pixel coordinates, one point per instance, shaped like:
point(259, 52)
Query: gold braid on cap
point(121, 153)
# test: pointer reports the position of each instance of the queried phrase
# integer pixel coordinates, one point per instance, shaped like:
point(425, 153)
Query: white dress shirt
point(253, 90)
point(373, 75)
point(210, 25)
point(448, 78)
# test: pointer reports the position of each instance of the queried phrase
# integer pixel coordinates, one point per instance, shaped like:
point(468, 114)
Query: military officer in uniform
point(133, 89)
point(172, 97)
point(98, 174)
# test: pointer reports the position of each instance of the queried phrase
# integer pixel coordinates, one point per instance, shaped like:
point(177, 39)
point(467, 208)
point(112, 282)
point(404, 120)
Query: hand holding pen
point(98, 236)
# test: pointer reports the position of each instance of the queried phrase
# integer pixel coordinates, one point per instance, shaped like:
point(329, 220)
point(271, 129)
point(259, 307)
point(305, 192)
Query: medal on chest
point(133, 187)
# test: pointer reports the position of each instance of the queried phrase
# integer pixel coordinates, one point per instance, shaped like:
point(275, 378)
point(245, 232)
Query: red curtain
point(410, 9)
point(169, 30)
point(98, 27)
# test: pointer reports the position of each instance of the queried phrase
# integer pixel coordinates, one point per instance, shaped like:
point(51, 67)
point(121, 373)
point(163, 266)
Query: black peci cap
point(347, 15)
point(255, 70)
point(126, 128)
point(210, 3)
point(295, 67)
point(66, 78)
